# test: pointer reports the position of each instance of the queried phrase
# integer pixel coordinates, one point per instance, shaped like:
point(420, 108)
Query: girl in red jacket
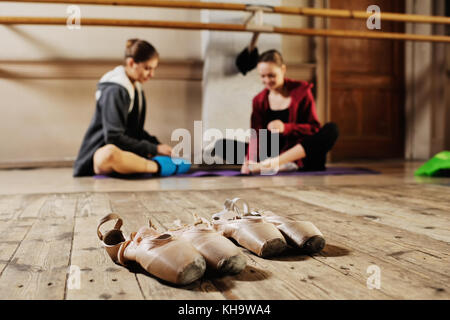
point(286, 108)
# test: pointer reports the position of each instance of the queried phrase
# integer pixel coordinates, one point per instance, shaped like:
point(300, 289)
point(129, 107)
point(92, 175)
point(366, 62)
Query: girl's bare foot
point(270, 165)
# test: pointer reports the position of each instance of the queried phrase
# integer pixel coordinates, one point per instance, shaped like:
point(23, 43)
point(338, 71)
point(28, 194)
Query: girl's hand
point(276, 125)
point(164, 149)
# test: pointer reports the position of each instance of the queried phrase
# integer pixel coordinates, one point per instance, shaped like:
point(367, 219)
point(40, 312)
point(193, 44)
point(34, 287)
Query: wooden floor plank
point(38, 268)
point(11, 206)
point(99, 277)
point(382, 212)
point(351, 222)
point(14, 229)
point(403, 204)
point(396, 281)
point(435, 192)
point(377, 242)
point(413, 196)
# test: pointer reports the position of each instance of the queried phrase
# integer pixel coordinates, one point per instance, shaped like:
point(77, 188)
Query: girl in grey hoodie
point(116, 140)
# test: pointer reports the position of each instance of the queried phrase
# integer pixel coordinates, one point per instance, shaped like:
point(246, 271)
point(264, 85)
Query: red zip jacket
point(303, 119)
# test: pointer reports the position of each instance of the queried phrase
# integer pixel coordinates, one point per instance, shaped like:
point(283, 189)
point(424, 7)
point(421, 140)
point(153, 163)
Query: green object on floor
point(437, 166)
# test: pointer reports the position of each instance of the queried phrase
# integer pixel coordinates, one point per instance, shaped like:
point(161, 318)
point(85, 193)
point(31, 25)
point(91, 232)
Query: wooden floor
point(392, 222)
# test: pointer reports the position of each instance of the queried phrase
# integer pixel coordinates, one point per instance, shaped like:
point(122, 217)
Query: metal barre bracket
point(252, 7)
point(255, 21)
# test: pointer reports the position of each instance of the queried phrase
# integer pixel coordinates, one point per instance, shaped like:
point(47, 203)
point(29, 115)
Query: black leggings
point(316, 147)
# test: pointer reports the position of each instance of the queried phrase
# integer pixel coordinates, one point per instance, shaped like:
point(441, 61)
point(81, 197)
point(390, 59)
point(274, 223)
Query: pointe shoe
point(220, 253)
point(253, 233)
point(160, 254)
point(302, 235)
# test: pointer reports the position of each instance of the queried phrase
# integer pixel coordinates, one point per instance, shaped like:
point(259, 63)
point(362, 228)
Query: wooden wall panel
point(366, 87)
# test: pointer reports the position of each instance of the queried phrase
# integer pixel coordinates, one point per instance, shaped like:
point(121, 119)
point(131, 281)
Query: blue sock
point(166, 167)
point(183, 166)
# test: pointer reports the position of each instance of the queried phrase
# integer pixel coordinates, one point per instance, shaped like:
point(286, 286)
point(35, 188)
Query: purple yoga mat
point(236, 173)
point(333, 171)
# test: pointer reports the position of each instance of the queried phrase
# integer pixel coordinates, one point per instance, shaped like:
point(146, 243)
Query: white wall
point(427, 104)
point(45, 118)
point(58, 42)
point(227, 94)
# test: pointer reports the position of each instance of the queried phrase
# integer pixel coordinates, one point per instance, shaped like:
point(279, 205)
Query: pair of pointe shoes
point(264, 233)
point(179, 256)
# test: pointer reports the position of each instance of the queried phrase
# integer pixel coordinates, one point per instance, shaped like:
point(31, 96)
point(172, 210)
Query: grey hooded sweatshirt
point(119, 120)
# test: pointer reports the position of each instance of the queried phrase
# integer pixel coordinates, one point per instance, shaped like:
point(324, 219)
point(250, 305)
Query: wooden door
point(366, 83)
